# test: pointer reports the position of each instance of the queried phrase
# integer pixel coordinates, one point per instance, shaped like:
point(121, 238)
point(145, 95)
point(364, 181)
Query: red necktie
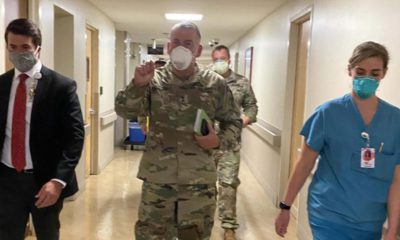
point(18, 125)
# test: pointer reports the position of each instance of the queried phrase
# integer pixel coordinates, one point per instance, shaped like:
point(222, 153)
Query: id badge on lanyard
point(367, 159)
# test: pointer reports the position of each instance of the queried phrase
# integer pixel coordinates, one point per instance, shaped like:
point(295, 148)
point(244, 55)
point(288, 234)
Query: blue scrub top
point(341, 191)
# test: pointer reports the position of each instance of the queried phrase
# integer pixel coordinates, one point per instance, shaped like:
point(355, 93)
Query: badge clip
point(365, 136)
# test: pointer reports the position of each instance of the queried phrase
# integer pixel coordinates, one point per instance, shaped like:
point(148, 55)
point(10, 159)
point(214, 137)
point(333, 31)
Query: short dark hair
point(221, 47)
point(26, 27)
point(369, 49)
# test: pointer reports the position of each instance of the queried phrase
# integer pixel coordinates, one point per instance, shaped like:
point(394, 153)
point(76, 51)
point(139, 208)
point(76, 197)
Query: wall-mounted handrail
point(108, 117)
point(267, 132)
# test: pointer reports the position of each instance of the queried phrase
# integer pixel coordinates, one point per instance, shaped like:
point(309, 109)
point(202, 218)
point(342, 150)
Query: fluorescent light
point(184, 16)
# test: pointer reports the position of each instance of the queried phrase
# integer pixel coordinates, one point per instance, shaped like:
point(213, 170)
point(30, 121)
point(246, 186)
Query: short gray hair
point(187, 25)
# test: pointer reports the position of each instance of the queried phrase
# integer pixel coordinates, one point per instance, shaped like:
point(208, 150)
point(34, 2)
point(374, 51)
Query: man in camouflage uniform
point(228, 161)
point(177, 169)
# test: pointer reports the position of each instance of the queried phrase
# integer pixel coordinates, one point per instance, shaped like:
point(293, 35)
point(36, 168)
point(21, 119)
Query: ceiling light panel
point(183, 16)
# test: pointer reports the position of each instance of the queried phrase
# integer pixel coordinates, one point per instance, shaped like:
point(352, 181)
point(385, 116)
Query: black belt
point(7, 168)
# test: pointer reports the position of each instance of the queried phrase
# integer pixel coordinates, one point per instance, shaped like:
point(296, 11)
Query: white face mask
point(221, 66)
point(181, 58)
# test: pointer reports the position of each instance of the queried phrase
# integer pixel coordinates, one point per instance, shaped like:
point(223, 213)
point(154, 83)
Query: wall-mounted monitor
point(159, 50)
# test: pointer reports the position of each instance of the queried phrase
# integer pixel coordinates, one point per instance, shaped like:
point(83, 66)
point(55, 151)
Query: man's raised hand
point(143, 74)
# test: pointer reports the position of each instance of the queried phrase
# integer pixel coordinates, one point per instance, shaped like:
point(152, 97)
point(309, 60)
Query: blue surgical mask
point(365, 86)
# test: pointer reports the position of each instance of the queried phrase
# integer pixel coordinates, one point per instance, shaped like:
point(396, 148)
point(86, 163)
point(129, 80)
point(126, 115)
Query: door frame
point(295, 21)
point(95, 121)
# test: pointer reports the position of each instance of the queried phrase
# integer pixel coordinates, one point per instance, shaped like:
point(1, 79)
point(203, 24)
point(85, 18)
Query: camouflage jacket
point(243, 94)
point(172, 155)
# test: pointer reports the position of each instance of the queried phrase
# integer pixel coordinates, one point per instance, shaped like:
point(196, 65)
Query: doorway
point(299, 89)
point(300, 32)
point(91, 102)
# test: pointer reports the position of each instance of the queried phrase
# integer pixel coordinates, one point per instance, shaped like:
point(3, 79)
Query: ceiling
point(225, 20)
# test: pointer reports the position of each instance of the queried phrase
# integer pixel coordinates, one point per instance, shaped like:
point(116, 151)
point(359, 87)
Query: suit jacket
point(56, 130)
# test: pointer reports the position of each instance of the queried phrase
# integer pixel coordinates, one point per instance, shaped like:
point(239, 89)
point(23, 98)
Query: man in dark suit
point(41, 138)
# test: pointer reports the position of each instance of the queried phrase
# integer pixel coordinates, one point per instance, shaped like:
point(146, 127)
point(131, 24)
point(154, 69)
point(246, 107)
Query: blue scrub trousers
point(325, 230)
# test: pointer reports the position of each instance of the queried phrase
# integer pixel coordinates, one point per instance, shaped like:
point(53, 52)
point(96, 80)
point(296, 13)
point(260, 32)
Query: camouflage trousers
point(228, 163)
point(171, 212)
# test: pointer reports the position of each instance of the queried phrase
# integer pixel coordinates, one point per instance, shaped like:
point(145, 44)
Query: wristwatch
point(282, 205)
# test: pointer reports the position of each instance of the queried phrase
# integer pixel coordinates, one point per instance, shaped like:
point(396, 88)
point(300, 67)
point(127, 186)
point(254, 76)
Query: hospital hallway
point(107, 208)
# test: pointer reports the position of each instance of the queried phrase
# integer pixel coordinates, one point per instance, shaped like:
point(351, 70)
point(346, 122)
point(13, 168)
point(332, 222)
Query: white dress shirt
point(31, 83)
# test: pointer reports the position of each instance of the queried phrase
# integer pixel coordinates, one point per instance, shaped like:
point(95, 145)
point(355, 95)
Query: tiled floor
point(107, 208)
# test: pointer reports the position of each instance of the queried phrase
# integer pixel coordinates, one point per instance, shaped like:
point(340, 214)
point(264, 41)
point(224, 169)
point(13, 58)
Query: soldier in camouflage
point(228, 161)
point(177, 168)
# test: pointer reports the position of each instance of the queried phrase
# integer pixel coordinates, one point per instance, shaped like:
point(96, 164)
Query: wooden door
point(89, 110)
point(299, 90)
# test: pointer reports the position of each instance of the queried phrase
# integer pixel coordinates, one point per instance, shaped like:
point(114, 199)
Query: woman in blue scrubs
point(356, 138)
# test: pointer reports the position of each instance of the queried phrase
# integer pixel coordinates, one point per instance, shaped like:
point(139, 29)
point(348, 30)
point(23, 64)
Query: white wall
point(63, 43)
point(337, 27)
point(270, 59)
point(2, 43)
point(85, 13)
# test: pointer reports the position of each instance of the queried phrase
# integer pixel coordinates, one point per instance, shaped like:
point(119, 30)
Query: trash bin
point(135, 133)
